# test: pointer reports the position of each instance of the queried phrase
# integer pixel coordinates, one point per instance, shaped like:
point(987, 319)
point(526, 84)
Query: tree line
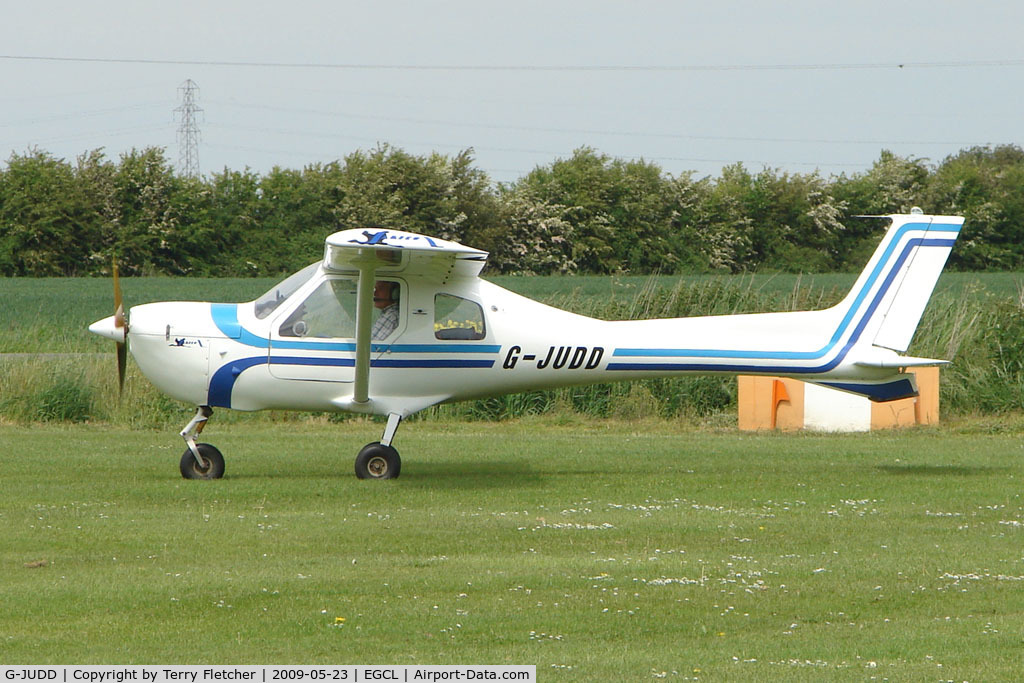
point(589, 213)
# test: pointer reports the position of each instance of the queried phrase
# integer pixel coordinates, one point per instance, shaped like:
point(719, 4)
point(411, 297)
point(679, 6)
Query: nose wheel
point(211, 467)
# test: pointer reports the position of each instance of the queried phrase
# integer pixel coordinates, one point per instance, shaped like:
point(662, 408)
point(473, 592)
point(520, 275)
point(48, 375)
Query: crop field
point(599, 551)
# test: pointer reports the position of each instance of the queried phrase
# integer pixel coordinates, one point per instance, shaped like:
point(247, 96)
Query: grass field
point(599, 551)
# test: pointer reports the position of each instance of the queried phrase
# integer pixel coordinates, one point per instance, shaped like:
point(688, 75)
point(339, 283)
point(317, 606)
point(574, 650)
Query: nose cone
point(108, 328)
point(170, 342)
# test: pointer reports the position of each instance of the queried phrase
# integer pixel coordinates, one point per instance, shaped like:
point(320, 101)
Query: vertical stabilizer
point(920, 251)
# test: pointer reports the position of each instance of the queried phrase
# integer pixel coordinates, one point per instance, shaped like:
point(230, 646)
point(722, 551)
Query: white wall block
point(831, 410)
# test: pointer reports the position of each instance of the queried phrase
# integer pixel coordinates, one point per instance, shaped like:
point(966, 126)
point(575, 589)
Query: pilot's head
point(385, 293)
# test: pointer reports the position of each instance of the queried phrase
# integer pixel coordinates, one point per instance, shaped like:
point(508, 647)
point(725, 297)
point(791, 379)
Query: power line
point(951, 64)
point(78, 115)
point(577, 131)
point(486, 148)
point(92, 135)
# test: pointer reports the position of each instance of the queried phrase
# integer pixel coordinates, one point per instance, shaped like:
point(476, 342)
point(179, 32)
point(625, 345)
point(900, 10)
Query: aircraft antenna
point(188, 130)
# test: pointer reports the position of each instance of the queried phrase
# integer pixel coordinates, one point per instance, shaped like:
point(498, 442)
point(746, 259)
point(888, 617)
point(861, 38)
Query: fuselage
point(224, 355)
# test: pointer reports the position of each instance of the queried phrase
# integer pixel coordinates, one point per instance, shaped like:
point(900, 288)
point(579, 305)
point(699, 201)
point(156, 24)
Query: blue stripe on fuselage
point(223, 380)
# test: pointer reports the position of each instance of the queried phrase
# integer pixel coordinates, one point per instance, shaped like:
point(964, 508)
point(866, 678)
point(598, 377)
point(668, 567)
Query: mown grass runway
point(595, 550)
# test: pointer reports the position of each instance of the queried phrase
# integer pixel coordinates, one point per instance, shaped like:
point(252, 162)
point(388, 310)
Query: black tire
point(377, 462)
point(214, 469)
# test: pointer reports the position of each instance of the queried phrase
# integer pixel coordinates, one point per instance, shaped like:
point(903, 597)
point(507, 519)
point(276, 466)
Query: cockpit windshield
point(277, 294)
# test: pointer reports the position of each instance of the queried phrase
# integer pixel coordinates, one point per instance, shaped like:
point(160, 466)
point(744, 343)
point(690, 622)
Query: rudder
point(894, 288)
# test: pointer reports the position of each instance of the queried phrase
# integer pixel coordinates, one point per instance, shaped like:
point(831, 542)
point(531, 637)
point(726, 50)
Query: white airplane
point(389, 323)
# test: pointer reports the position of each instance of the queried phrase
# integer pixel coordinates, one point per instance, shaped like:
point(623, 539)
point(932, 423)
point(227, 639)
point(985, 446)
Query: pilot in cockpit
point(385, 299)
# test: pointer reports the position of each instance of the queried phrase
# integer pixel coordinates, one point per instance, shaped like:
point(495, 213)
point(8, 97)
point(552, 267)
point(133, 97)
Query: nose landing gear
point(200, 460)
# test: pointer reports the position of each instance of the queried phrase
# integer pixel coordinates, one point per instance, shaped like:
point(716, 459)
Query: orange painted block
point(770, 403)
point(789, 415)
point(891, 414)
point(927, 409)
point(754, 414)
point(907, 412)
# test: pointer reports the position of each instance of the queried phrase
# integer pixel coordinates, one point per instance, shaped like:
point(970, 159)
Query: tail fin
point(885, 305)
point(855, 345)
point(894, 288)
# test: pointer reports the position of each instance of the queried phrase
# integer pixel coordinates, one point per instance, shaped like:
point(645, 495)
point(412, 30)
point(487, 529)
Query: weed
point(66, 399)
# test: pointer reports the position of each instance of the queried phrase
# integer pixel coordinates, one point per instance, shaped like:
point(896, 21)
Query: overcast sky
point(793, 85)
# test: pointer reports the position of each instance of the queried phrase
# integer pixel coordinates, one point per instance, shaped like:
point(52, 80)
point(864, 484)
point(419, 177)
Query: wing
point(375, 251)
point(394, 251)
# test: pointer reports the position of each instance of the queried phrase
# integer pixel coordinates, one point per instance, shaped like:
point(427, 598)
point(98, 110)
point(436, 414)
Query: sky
point(797, 86)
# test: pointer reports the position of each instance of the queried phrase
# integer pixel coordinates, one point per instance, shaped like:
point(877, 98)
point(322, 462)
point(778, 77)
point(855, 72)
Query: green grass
point(597, 551)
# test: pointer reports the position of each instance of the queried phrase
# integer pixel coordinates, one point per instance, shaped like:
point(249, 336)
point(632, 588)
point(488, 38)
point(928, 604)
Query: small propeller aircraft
point(389, 323)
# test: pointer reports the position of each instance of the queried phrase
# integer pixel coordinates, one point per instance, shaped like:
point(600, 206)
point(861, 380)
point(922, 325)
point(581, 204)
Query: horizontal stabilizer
point(877, 357)
point(890, 389)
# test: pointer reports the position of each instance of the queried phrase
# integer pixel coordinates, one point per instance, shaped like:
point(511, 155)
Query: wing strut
point(366, 262)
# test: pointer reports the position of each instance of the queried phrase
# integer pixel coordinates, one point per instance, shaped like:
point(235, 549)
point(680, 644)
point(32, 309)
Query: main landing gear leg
point(201, 460)
point(379, 460)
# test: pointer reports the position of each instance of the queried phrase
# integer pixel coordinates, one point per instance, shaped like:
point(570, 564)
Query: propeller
point(120, 324)
point(115, 328)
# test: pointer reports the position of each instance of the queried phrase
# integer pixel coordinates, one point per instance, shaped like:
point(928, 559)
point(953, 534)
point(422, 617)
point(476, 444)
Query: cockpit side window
point(458, 318)
point(329, 312)
point(269, 302)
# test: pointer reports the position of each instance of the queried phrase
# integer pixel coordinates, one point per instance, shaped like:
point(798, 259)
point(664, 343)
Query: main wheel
point(377, 462)
point(212, 469)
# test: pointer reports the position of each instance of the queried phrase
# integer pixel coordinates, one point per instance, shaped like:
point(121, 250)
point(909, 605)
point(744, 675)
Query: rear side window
point(457, 318)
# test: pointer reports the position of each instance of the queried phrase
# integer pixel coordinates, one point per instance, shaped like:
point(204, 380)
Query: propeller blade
point(120, 324)
point(118, 303)
point(122, 363)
